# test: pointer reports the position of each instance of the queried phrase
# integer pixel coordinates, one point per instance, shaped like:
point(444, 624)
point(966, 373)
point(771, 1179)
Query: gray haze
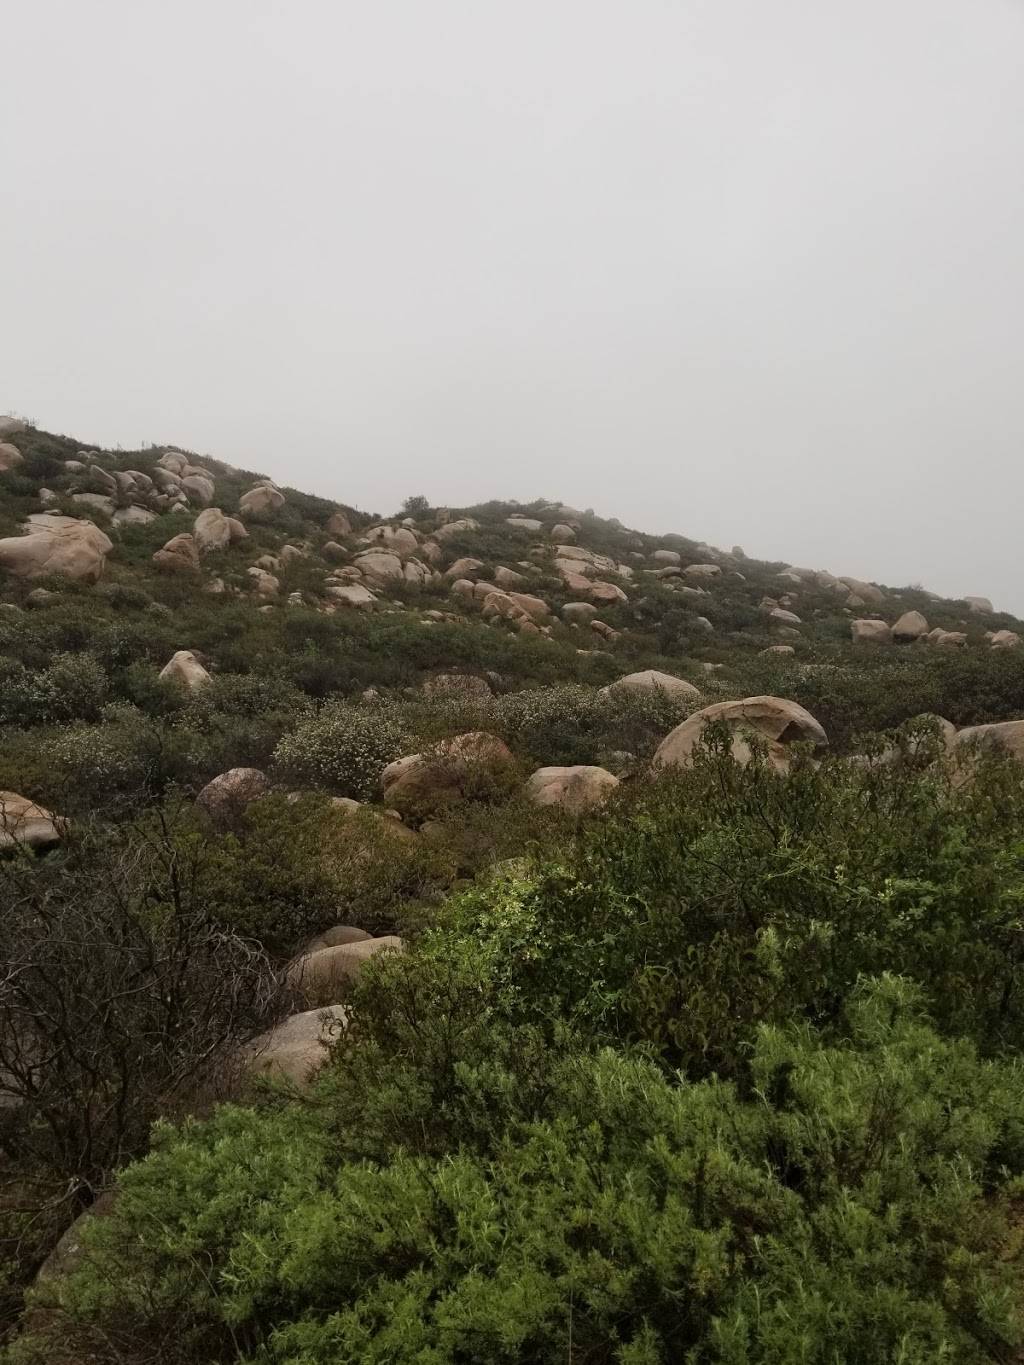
point(750, 270)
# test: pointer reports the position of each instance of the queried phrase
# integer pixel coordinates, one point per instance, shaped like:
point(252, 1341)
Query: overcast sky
point(748, 270)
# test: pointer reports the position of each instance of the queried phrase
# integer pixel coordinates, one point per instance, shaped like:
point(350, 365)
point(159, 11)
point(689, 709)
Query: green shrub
point(343, 748)
point(858, 1206)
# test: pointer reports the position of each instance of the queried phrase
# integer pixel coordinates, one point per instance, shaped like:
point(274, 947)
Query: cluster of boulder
point(912, 627)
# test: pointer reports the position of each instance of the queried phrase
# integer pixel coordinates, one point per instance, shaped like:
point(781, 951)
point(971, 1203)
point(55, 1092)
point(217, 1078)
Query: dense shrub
point(343, 748)
point(858, 1207)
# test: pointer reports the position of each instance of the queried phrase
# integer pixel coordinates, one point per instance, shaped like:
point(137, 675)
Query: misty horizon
point(744, 276)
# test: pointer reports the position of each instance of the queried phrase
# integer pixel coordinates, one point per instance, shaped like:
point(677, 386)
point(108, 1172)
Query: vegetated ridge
point(533, 940)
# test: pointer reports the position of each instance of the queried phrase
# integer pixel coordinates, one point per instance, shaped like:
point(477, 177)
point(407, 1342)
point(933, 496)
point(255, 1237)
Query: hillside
point(660, 905)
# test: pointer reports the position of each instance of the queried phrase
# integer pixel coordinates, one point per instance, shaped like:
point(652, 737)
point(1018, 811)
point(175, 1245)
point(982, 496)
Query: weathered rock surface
point(179, 555)
point(774, 720)
point(295, 1049)
point(24, 823)
point(319, 975)
point(184, 668)
point(56, 545)
point(650, 680)
point(229, 793)
point(870, 632)
point(575, 789)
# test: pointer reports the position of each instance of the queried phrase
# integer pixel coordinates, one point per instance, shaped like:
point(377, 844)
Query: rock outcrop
point(773, 720)
point(56, 545)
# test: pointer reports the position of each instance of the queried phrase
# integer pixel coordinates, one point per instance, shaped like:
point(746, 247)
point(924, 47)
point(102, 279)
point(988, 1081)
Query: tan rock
point(578, 613)
point(780, 617)
point(295, 1049)
point(562, 534)
point(950, 639)
point(702, 570)
point(464, 568)
point(670, 557)
point(229, 793)
point(980, 604)
point(328, 971)
point(57, 545)
point(607, 593)
point(184, 668)
point(650, 680)
point(211, 531)
point(868, 592)
point(1007, 735)
point(1005, 639)
point(338, 524)
point(259, 502)
point(379, 566)
point(910, 627)
point(508, 578)
point(574, 789)
point(778, 649)
point(459, 527)
point(25, 824)
point(199, 488)
point(773, 719)
point(535, 607)
point(264, 584)
point(870, 632)
point(10, 457)
point(179, 555)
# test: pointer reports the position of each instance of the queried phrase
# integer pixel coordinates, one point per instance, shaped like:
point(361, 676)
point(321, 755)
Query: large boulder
point(702, 570)
point(650, 680)
point(980, 604)
point(562, 534)
point(338, 524)
point(456, 528)
point(910, 627)
point(24, 823)
point(261, 501)
point(870, 632)
point(295, 1049)
point(606, 593)
point(671, 557)
point(421, 784)
point(211, 530)
point(463, 568)
point(184, 668)
point(10, 457)
point(179, 555)
point(380, 566)
point(774, 720)
point(397, 538)
point(229, 793)
point(199, 489)
point(326, 972)
point(578, 613)
point(1005, 639)
point(779, 616)
point(264, 584)
point(867, 592)
point(574, 789)
point(530, 524)
point(351, 595)
point(56, 545)
point(1007, 735)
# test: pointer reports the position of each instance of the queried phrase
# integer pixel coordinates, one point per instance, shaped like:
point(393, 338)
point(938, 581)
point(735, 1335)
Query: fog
point(749, 271)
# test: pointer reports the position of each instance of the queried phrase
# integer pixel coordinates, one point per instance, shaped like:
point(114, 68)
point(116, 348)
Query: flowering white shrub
point(344, 748)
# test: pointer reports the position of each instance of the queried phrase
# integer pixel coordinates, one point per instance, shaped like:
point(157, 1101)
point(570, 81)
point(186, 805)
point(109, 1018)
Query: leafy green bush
point(343, 748)
point(857, 1206)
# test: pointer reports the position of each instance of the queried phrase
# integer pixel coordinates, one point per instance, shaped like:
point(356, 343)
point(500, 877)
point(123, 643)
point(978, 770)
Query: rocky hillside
point(543, 833)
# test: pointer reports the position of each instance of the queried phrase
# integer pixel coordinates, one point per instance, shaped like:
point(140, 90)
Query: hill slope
point(554, 1022)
